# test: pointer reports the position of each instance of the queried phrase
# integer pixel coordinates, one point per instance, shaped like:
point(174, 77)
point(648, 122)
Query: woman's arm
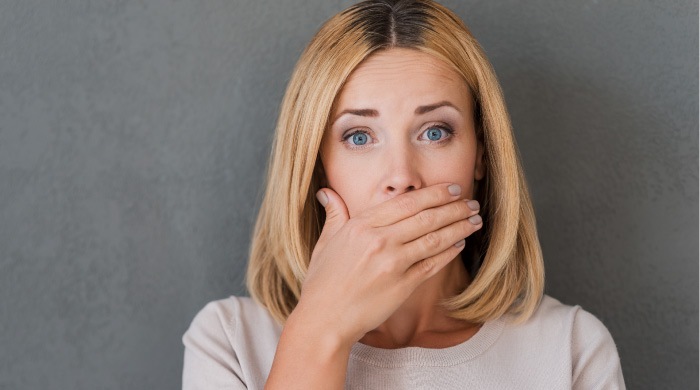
point(361, 270)
point(308, 358)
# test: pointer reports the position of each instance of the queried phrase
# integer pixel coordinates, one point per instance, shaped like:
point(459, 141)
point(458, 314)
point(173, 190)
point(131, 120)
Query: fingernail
point(460, 243)
point(473, 204)
point(475, 219)
point(454, 189)
point(322, 198)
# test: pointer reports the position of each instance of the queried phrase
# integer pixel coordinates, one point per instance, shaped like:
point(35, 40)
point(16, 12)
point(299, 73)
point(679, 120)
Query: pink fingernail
point(322, 198)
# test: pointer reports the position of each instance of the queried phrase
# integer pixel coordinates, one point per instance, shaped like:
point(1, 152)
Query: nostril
point(393, 189)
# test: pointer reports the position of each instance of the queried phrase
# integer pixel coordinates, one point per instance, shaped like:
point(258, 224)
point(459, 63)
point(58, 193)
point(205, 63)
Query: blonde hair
point(506, 266)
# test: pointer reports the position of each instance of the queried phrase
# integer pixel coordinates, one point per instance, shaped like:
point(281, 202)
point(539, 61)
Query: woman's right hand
point(363, 268)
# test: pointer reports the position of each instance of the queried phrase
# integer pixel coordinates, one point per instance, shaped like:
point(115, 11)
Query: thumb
point(336, 212)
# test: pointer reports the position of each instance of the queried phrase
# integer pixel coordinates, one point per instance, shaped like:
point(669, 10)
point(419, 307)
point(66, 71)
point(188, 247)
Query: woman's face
point(404, 120)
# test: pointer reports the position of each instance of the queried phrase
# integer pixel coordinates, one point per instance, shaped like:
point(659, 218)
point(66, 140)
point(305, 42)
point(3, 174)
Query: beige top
point(231, 344)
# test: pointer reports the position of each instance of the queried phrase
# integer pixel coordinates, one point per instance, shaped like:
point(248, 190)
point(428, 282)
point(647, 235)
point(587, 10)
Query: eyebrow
point(372, 113)
point(424, 109)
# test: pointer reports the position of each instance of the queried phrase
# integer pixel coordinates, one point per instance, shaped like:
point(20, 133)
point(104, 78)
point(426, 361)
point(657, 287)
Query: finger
point(436, 242)
point(432, 219)
point(411, 203)
point(336, 213)
point(426, 268)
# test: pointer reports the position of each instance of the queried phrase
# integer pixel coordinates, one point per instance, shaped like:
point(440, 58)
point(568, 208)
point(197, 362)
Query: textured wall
point(134, 136)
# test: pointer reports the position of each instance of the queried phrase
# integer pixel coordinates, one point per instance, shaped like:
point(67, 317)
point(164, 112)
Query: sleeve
point(210, 361)
point(596, 363)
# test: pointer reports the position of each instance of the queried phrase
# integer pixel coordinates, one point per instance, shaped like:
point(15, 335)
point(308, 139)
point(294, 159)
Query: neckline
point(431, 357)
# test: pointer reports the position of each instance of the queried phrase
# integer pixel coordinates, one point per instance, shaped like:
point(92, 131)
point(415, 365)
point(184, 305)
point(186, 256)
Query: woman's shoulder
point(233, 315)
point(232, 306)
point(551, 313)
point(230, 340)
point(570, 333)
point(554, 321)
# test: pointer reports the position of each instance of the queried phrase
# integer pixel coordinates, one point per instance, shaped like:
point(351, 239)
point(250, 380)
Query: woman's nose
point(402, 174)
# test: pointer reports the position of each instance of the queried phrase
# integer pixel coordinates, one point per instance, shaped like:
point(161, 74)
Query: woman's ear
point(480, 164)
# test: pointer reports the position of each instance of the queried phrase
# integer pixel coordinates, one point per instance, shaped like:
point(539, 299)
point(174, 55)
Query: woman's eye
point(358, 138)
point(436, 133)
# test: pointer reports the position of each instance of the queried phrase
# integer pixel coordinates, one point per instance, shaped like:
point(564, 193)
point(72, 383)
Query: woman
point(396, 244)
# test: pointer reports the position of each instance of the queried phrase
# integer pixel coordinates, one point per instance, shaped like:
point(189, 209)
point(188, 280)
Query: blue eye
point(359, 138)
point(434, 133)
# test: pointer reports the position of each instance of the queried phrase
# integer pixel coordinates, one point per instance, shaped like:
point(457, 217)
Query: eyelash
point(447, 129)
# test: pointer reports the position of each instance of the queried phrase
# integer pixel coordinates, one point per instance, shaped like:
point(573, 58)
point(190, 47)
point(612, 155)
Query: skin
point(396, 219)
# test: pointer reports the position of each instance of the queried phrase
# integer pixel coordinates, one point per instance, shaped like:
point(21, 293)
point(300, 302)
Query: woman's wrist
point(319, 331)
point(308, 357)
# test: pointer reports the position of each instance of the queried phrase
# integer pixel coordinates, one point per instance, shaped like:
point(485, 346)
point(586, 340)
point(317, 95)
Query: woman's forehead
point(405, 74)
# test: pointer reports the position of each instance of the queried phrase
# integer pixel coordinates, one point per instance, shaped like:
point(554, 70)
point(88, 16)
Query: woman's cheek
point(460, 170)
point(354, 199)
point(346, 184)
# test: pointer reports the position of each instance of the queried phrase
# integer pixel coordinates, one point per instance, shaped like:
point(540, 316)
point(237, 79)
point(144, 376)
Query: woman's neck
point(420, 321)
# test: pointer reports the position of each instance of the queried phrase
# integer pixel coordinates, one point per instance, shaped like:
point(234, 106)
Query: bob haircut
point(504, 258)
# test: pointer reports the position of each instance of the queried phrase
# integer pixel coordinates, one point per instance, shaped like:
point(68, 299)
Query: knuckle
point(427, 265)
point(407, 204)
point(432, 241)
point(387, 267)
point(459, 208)
point(425, 218)
point(377, 244)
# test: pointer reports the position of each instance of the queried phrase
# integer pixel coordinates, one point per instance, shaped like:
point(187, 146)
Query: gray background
point(133, 142)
